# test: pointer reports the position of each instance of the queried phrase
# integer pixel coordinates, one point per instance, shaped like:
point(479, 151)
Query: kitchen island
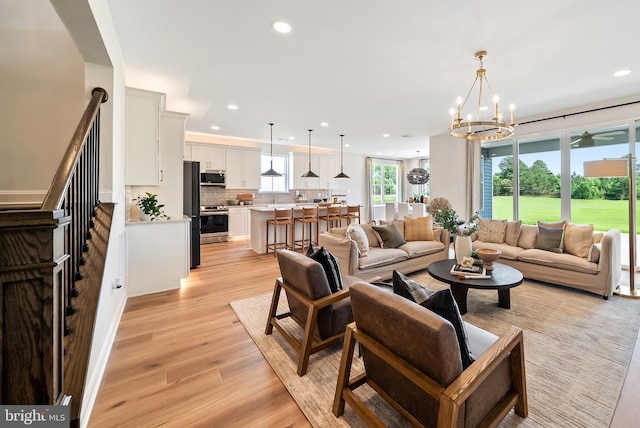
point(260, 215)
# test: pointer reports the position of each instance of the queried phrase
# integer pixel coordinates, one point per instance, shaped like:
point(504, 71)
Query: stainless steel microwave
point(212, 178)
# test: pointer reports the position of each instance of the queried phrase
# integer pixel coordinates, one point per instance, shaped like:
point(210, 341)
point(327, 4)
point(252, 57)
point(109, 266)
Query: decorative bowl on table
point(488, 256)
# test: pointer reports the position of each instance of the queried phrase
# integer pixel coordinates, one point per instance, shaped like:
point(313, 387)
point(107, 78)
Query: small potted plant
point(447, 218)
point(150, 208)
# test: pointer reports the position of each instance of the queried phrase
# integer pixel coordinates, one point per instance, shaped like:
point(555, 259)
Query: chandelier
point(483, 126)
point(418, 175)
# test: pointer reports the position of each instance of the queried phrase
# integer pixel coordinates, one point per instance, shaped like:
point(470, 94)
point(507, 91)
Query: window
point(384, 181)
point(274, 184)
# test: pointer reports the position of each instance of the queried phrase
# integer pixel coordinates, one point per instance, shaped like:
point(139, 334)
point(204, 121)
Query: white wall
point(41, 68)
point(89, 24)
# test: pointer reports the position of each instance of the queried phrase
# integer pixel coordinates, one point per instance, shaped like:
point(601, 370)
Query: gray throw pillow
point(390, 235)
point(442, 304)
point(409, 289)
point(550, 239)
point(331, 268)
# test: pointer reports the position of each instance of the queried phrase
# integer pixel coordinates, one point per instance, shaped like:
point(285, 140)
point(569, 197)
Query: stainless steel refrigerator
point(191, 196)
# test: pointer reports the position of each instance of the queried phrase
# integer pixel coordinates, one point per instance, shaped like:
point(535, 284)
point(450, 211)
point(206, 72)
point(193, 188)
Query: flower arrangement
point(447, 218)
point(150, 206)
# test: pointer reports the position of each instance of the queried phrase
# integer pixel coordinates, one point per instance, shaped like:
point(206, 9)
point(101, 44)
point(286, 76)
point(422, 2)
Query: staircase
point(52, 260)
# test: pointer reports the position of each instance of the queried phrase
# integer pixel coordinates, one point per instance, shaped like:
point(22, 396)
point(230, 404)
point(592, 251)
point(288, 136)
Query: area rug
point(577, 350)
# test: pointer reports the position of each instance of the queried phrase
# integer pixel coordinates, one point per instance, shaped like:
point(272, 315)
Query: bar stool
point(353, 212)
point(332, 217)
point(309, 216)
point(282, 217)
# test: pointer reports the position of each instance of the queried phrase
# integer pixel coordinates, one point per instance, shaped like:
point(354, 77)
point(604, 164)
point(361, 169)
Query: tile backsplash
point(210, 195)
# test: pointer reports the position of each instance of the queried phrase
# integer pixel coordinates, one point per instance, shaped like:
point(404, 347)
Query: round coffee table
point(503, 278)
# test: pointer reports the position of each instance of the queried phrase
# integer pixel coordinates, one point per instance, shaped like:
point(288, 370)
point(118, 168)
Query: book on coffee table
point(472, 271)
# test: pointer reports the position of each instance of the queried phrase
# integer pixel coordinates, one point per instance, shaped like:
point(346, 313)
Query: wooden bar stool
point(281, 217)
point(309, 216)
point(332, 217)
point(353, 212)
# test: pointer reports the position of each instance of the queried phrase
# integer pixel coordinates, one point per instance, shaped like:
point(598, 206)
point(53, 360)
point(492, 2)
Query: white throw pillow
point(356, 233)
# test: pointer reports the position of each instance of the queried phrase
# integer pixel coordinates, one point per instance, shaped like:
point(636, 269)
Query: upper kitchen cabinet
point(328, 170)
point(142, 127)
point(243, 168)
point(210, 157)
point(299, 164)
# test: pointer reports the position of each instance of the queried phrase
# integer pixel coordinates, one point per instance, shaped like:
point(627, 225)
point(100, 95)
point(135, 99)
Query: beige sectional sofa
point(593, 265)
point(380, 262)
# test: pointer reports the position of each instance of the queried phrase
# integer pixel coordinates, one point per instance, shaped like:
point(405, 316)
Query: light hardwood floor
point(182, 358)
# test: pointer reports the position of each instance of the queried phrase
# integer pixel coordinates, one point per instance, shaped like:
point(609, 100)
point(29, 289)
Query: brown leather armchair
point(410, 359)
point(323, 315)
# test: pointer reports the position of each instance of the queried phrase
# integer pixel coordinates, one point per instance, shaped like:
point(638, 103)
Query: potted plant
point(447, 218)
point(150, 208)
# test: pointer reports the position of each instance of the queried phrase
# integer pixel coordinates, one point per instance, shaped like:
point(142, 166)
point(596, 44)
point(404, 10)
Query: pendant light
point(342, 174)
point(310, 174)
point(271, 172)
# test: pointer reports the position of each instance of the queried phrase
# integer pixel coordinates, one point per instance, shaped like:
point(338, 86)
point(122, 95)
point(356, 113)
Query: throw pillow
point(331, 267)
point(390, 236)
point(578, 239)
point(492, 230)
point(418, 229)
point(512, 233)
point(372, 235)
point(442, 303)
point(409, 289)
point(528, 236)
point(356, 233)
point(550, 239)
point(594, 253)
point(556, 225)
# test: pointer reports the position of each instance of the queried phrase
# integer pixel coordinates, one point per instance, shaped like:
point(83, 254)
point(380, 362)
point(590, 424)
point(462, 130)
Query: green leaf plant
point(150, 206)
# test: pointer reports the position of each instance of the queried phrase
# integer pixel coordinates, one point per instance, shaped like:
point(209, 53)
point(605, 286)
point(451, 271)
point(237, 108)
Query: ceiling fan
point(587, 139)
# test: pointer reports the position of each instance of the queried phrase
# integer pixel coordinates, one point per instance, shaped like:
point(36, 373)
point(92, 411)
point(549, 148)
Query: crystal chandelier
point(483, 126)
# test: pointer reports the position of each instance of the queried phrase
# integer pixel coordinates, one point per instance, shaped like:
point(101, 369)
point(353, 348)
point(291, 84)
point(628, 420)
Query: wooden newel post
point(33, 265)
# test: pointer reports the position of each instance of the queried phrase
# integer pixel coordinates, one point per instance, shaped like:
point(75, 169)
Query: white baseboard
point(93, 383)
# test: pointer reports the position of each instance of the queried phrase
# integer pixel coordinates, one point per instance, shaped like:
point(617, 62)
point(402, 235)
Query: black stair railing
point(42, 252)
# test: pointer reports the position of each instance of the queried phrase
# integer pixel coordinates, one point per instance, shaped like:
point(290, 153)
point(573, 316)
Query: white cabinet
point(170, 189)
point(328, 170)
point(299, 164)
point(239, 224)
point(157, 255)
point(142, 137)
point(210, 157)
point(243, 169)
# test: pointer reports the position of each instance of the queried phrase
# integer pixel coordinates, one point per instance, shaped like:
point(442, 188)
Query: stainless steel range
point(214, 224)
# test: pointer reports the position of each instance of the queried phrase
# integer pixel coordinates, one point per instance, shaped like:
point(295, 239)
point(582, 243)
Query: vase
point(144, 217)
point(462, 247)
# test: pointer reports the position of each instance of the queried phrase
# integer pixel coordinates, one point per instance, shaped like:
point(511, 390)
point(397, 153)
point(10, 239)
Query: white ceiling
point(369, 67)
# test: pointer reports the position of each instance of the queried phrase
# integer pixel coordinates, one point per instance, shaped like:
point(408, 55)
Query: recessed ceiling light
point(324, 124)
point(347, 145)
point(215, 127)
point(232, 107)
point(281, 27)
point(292, 138)
point(621, 73)
point(385, 135)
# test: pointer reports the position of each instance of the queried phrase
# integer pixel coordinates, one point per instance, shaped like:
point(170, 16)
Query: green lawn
point(604, 214)
point(387, 198)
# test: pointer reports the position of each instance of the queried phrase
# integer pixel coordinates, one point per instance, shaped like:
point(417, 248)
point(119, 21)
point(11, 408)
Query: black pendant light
point(342, 174)
point(271, 172)
point(310, 174)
